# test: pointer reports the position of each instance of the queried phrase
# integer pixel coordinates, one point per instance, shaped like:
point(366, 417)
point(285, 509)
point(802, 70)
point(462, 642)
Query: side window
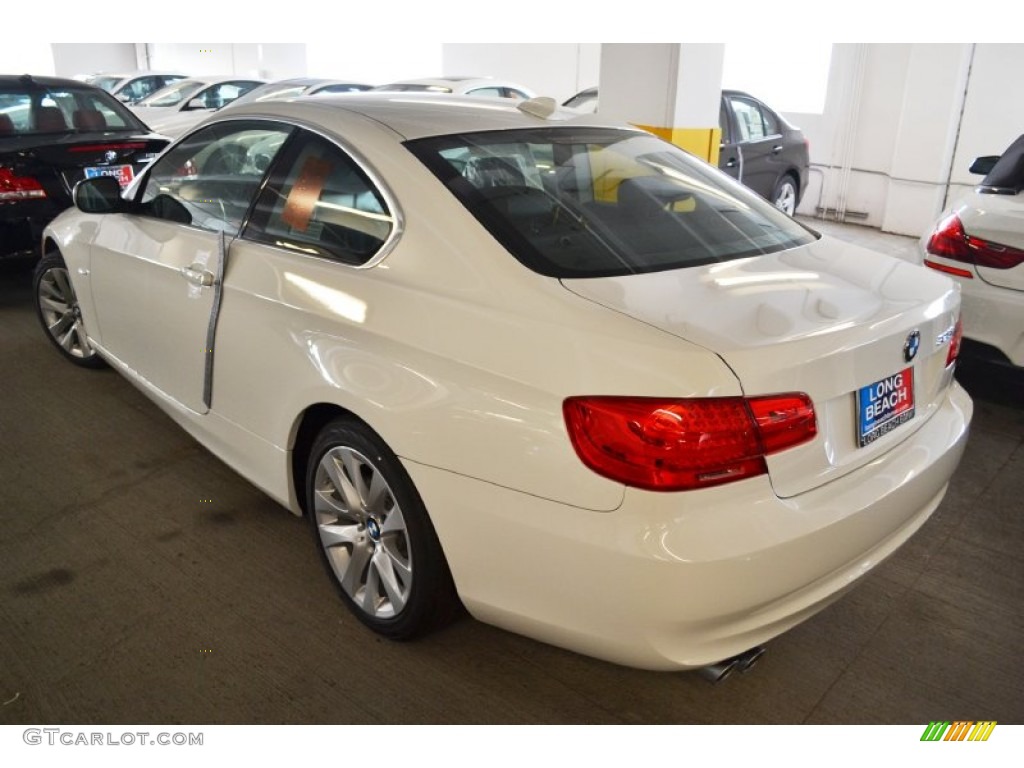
point(210, 179)
point(141, 88)
point(749, 122)
point(490, 92)
point(771, 122)
point(512, 93)
point(320, 201)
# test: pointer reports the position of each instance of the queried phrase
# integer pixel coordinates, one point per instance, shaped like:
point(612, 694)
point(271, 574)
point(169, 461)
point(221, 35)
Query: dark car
point(54, 133)
point(759, 147)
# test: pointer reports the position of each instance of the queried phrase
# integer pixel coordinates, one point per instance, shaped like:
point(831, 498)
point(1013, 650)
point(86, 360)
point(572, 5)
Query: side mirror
point(100, 194)
point(196, 104)
point(983, 166)
point(124, 98)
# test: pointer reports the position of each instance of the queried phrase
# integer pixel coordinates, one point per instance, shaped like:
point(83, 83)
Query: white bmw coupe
point(508, 355)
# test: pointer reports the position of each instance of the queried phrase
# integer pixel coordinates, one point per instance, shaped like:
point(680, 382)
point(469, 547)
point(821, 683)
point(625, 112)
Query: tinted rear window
point(36, 110)
point(571, 202)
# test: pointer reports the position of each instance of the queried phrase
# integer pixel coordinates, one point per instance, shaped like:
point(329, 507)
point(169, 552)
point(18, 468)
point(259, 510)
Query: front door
point(156, 271)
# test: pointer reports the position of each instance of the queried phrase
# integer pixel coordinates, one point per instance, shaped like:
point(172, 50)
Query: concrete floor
point(125, 598)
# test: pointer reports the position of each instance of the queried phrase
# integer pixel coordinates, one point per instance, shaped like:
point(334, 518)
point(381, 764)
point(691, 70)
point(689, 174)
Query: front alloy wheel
point(59, 312)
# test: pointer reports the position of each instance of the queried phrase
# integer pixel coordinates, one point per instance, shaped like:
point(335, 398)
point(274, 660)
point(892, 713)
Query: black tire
point(786, 194)
point(378, 544)
point(58, 312)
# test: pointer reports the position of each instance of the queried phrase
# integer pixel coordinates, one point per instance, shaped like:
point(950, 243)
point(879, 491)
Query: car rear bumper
point(22, 224)
point(994, 316)
point(679, 581)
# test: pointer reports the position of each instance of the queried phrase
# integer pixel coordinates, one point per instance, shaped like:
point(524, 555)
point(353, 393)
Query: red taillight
point(954, 343)
point(674, 445)
point(951, 242)
point(14, 187)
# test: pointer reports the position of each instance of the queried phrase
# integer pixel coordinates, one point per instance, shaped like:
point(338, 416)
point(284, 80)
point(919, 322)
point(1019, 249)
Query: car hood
point(827, 318)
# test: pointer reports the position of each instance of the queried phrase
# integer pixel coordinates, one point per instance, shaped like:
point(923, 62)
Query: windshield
point(595, 202)
point(26, 111)
point(172, 95)
point(106, 82)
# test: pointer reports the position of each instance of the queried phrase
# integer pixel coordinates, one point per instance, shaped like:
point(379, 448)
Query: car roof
point(136, 73)
point(209, 79)
point(43, 81)
point(416, 115)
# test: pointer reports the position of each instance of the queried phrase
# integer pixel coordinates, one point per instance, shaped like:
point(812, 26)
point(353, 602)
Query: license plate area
point(123, 173)
point(884, 405)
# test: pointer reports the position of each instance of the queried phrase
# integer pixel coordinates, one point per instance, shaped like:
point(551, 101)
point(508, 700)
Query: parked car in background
point(178, 107)
point(556, 368)
point(759, 147)
point(54, 132)
point(466, 86)
point(299, 86)
point(979, 242)
point(133, 87)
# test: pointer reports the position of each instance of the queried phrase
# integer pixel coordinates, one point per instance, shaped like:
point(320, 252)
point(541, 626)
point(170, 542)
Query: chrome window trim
point(398, 217)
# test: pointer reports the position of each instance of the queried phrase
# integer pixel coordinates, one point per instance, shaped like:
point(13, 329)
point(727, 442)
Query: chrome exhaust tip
point(742, 662)
point(716, 673)
point(746, 660)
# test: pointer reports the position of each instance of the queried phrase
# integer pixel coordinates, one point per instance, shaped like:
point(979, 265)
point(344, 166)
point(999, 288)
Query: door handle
point(198, 276)
point(776, 149)
point(731, 163)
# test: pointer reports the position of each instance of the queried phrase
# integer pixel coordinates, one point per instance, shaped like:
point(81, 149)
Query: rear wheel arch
point(374, 535)
point(304, 432)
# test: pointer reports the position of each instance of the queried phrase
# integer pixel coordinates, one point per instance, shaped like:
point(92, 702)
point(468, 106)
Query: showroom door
point(157, 271)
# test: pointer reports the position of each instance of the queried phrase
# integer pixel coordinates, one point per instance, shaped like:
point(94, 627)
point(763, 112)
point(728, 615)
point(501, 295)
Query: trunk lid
point(829, 319)
point(61, 161)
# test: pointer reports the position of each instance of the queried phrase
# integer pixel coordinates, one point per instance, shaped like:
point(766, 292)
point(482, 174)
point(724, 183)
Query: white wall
point(19, 58)
point(559, 70)
point(994, 110)
point(265, 61)
point(902, 123)
point(70, 59)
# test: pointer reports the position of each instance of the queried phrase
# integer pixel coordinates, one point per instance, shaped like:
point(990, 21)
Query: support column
point(672, 90)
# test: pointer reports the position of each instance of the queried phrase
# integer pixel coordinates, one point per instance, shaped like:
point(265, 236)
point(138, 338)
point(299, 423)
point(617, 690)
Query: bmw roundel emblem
point(110, 156)
point(911, 345)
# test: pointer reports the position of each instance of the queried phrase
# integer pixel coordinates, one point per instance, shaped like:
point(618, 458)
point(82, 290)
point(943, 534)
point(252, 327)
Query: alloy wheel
point(61, 314)
point(785, 199)
point(363, 532)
